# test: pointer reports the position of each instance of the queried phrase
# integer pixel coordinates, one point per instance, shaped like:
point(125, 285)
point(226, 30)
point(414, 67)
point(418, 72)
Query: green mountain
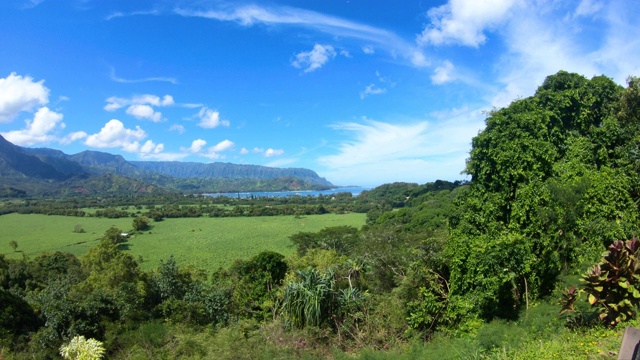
point(16, 162)
point(216, 170)
point(47, 171)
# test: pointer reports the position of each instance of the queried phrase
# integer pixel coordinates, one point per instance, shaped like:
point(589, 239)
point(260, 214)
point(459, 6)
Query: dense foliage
point(475, 266)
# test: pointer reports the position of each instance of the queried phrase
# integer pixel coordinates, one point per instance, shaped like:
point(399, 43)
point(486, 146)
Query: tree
point(14, 245)
point(78, 229)
point(342, 239)
point(114, 235)
point(141, 223)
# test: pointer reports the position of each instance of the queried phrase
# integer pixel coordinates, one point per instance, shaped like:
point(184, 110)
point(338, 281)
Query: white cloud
point(588, 7)
point(144, 112)
point(368, 49)
point(244, 151)
point(213, 155)
point(163, 156)
point(177, 127)
point(443, 74)
point(270, 152)
point(281, 162)
point(273, 152)
point(115, 78)
point(214, 151)
point(464, 21)
point(196, 146)
point(114, 135)
point(552, 45)
point(18, 93)
point(372, 89)
point(114, 103)
point(150, 147)
point(37, 130)
point(418, 152)
point(72, 137)
point(418, 59)
point(222, 146)
point(248, 15)
point(314, 59)
point(210, 119)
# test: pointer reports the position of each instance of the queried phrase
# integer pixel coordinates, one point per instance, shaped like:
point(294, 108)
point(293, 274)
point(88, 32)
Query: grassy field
point(207, 243)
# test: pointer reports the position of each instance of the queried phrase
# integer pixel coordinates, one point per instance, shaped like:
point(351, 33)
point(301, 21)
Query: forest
point(534, 257)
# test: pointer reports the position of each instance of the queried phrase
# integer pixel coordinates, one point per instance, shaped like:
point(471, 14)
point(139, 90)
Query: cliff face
point(226, 170)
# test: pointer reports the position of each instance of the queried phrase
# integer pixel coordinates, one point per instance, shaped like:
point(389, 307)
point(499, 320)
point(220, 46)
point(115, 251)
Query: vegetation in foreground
point(480, 270)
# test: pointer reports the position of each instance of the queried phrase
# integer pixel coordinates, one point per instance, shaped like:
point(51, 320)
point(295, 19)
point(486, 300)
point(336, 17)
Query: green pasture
point(206, 243)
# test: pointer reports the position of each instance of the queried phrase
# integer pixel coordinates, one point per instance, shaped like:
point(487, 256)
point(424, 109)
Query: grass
point(207, 243)
point(36, 234)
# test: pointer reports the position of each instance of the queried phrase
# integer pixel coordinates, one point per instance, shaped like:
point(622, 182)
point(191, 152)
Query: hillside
point(49, 171)
point(226, 170)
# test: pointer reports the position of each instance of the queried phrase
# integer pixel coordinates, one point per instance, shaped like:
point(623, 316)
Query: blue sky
point(364, 92)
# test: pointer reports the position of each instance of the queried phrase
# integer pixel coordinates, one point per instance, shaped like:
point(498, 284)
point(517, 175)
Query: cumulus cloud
point(314, 59)
point(536, 39)
point(177, 127)
point(114, 103)
point(464, 21)
point(73, 137)
point(210, 119)
point(270, 152)
point(443, 73)
point(372, 89)
point(150, 147)
point(244, 151)
point(368, 49)
point(273, 152)
point(114, 135)
point(144, 112)
point(38, 130)
point(222, 146)
point(214, 152)
point(18, 93)
point(196, 146)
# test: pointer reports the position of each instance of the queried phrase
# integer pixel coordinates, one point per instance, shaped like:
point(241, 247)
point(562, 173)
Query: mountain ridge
point(78, 170)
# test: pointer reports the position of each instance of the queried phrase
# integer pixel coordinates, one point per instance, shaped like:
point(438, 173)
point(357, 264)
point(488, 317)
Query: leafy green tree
point(141, 223)
point(168, 280)
point(14, 245)
point(17, 319)
point(553, 182)
point(342, 239)
point(255, 282)
point(114, 235)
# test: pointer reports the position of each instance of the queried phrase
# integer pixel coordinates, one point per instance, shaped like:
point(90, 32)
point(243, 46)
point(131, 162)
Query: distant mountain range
point(43, 171)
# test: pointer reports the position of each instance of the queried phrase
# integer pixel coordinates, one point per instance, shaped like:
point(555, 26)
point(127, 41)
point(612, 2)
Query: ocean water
point(355, 191)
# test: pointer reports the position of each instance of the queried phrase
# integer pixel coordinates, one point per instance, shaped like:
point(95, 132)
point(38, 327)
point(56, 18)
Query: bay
point(354, 191)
